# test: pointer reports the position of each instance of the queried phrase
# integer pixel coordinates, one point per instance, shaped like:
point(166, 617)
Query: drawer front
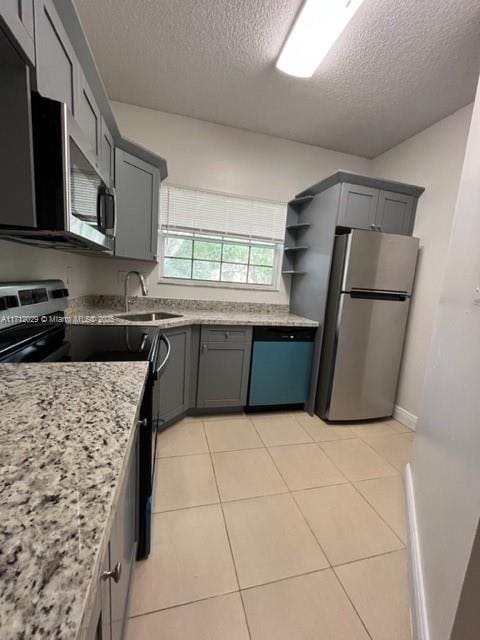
point(226, 334)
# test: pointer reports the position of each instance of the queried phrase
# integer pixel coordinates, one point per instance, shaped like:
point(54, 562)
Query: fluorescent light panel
point(317, 27)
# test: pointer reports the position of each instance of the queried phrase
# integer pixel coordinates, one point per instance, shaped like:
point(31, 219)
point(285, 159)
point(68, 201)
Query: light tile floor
point(274, 527)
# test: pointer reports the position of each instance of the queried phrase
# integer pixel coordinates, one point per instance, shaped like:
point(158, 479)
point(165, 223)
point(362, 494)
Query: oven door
point(149, 427)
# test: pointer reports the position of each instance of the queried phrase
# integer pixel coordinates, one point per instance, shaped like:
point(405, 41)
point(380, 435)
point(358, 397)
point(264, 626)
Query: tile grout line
point(382, 456)
point(229, 541)
point(342, 587)
point(298, 508)
point(291, 492)
point(330, 566)
point(352, 483)
point(183, 604)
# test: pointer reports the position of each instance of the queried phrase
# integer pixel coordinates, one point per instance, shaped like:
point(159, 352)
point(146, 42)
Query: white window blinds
point(189, 209)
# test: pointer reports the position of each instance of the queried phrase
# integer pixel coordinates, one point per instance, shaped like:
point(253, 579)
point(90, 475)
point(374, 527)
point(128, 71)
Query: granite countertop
point(63, 447)
point(106, 309)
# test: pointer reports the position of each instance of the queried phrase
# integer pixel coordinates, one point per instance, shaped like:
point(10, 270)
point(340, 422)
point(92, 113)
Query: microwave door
point(85, 192)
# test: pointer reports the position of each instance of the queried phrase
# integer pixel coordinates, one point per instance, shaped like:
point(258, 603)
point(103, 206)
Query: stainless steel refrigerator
point(368, 301)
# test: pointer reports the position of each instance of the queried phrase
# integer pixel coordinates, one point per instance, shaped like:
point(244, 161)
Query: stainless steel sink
point(148, 316)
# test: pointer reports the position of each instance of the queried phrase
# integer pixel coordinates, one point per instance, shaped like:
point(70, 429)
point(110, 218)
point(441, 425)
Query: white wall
point(21, 262)
point(432, 159)
point(209, 156)
point(445, 471)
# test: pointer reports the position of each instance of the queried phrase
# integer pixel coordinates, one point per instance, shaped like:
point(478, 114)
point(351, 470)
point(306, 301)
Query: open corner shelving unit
point(295, 235)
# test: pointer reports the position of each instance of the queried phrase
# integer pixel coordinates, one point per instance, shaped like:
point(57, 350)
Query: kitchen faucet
point(142, 282)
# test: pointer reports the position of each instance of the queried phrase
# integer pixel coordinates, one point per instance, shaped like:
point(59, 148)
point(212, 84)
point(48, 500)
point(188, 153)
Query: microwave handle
point(102, 209)
point(114, 195)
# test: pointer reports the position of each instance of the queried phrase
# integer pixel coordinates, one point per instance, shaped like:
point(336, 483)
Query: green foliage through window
point(218, 259)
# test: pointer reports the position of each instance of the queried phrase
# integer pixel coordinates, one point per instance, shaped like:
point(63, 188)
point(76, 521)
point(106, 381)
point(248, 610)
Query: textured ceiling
point(400, 66)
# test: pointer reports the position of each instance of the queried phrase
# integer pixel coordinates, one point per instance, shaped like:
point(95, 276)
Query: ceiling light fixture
point(317, 27)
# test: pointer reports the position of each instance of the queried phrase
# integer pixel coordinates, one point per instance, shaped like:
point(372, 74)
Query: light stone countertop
point(66, 431)
point(106, 309)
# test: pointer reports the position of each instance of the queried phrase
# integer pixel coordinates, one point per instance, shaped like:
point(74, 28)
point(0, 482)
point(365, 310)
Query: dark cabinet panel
point(17, 183)
point(174, 384)
point(358, 206)
point(57, 66)
point(17, 18)
point(223, 374)
point(137, 186)
point(395, 213)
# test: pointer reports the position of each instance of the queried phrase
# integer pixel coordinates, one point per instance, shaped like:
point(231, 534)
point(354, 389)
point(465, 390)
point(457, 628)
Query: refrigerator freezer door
point(384, 261)
point(363, 379)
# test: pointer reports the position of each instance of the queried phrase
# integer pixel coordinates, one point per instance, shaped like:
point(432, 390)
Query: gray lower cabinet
point(56, 62)
point(109, 616)
point(174, 386)
point(137, 185)
point(363, 207)
point(16, 16)
point(223, 369)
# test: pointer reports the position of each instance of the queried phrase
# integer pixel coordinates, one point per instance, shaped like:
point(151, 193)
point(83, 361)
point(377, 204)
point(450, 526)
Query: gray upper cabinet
point(57, 66)
point(363, 207)
point(16, 16)
point(174, 384)
point(138, 186)
point(107, 155)
point(88, 114)
point(358, 206)
point(395, 213)
point(224, 367)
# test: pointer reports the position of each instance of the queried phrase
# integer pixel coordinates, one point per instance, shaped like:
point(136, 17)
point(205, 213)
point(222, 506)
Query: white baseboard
point(417, 589)
point(405, 417)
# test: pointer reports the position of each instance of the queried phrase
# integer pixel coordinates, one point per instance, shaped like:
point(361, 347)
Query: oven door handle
point(162, 366)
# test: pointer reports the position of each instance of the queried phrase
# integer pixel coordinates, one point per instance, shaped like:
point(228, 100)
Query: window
point(194, 256)
point(220, 239)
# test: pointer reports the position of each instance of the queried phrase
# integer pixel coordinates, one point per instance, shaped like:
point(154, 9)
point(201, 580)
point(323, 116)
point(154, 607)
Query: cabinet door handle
point(142, 423)
point(373, 226)
point(114, 574)
point(204, 347)
point(227, 334)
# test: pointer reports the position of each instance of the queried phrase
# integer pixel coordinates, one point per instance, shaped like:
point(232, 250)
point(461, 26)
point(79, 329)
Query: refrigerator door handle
point(367, 294)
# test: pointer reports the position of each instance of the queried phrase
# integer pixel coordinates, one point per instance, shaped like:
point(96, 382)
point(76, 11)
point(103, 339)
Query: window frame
point(223, 239)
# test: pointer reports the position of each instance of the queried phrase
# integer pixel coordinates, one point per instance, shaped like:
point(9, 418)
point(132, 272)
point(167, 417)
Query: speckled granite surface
point(105, 309)
point(150, 302)
point(62, 451)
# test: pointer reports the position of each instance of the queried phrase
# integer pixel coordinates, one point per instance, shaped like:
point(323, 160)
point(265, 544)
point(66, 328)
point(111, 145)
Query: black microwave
point(74, 208)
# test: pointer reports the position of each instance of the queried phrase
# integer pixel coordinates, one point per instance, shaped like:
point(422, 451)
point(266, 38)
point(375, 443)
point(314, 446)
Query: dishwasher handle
point(284, 334)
